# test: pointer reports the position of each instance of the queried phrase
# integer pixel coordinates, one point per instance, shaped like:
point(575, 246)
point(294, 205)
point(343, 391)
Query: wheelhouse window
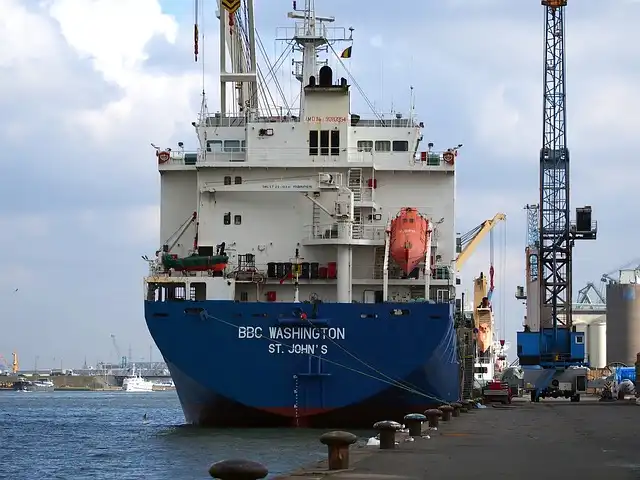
point(227, 180)
point(383, 146)
point(237, 219)
point(324, 142)
point(232, 146)
point(238, 180)
point(313, 142)
point(227, 218)
point(335, 142)
point(214, 145)
point(365, 145)
point(400, 146)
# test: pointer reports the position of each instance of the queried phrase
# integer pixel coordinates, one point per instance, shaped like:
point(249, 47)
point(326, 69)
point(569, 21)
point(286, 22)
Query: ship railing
point(375, 272)
point(432, 159)
point(297, 156)
point(334, 231)
point(281, 116)
point(291, 156)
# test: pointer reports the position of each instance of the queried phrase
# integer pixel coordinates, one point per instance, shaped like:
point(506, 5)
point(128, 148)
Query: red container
point(271, 296)
point(322, 272)
point(332, 270)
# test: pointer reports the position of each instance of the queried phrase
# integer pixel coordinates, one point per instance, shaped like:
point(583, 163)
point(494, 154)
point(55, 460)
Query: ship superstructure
point(276, 287)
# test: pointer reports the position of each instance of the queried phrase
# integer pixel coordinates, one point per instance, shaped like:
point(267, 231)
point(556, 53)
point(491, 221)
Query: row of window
point(236, 180)
point(321, 142)
point(383, 146)
point(237, 219)
point(226, 146)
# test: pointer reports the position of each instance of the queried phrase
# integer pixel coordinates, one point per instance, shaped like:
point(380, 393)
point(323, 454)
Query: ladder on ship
point(315, 225)
point(378, 266)
point(467, 359)
point(354, 183)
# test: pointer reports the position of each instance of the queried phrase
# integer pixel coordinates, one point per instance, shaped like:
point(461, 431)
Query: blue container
point(626, 373)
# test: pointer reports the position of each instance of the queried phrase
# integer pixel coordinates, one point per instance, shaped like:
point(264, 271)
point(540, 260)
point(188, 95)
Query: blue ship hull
point(329, 365)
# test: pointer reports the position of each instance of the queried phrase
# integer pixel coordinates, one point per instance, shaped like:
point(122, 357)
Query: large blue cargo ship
point(261, 364)
point(307, 270)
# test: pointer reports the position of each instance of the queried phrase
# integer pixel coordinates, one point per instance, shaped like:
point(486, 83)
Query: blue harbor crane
point(553, 358)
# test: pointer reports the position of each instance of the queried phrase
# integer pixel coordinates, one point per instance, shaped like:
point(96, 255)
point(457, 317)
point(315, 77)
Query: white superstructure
point(313, 186)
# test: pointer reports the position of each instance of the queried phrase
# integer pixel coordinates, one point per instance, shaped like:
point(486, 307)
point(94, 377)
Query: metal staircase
point(355, 185)
point(316, 221)
point(378, 264)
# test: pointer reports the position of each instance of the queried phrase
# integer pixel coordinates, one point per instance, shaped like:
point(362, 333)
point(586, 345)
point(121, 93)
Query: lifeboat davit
point(410, 235)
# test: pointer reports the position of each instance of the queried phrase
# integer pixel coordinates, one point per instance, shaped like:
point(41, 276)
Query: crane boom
point(468, 242)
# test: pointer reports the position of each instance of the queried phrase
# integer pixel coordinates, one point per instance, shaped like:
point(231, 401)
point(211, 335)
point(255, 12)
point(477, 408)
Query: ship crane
point(555, 347)
point(468, 242)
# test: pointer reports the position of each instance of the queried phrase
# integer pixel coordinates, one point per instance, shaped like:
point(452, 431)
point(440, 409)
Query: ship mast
point(310, 34)
point(242, 53)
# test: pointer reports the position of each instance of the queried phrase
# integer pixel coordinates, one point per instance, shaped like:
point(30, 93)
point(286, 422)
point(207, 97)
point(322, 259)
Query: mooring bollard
point(338, 447)
point(446, 410)
point(456, 409)
point(238, 470)
point(466, 406)
point(433, 415)
point(414, 422)
point(387, 431)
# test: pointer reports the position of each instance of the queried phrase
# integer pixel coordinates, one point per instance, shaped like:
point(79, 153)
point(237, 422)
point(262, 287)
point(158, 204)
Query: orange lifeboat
point(409, 238)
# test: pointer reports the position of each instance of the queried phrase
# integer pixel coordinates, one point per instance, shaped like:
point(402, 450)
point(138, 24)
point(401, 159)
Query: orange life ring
point(163, 157)
point(449, 157)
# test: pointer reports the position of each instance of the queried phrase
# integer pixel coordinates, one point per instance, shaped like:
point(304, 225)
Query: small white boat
point(136, 383)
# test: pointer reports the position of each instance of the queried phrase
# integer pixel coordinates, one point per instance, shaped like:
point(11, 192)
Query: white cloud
point(113, 33)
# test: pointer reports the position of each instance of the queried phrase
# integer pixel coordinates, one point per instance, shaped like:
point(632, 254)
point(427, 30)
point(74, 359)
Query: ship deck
point(554, 439)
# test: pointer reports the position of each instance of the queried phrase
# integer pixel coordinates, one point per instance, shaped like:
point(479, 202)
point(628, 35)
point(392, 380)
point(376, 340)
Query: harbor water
point(96, 435)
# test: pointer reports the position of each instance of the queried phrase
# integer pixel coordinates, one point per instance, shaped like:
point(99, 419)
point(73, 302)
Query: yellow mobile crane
point(467, 242)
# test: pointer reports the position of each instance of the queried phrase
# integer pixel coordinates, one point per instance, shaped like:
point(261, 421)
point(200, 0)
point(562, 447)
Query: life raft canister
point(449, 157)
point(163, 157)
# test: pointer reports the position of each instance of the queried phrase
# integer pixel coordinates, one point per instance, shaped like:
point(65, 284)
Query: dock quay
point(552, 439)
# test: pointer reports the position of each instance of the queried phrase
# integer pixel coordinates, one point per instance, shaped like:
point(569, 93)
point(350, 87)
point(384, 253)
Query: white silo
point(597, 344)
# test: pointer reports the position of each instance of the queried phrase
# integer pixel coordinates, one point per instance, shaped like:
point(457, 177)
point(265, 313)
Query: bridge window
point(237, 219)
point(313, 142)
point(365, 145)
point(383, 146)
point(335, 142)
point(400, 146)
point(214, 145)
point(324, 142)
point(227, 180)
point(232, 146)
point(238, 180)
point(227, 218)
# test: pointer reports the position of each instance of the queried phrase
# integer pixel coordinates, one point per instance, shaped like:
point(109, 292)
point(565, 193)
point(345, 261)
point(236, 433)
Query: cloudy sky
point(86, 85)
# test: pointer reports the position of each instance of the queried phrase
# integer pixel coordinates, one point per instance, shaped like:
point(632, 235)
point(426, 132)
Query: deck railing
point(295, 156)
